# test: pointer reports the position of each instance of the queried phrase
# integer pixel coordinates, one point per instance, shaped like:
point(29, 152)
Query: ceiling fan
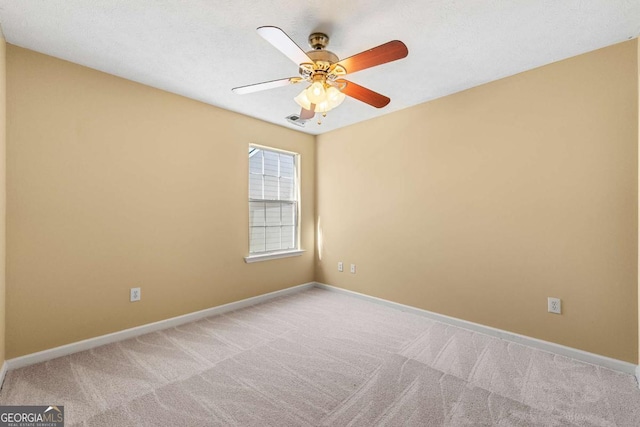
point(325, 72)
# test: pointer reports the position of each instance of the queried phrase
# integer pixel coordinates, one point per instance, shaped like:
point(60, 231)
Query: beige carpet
point(324, 358)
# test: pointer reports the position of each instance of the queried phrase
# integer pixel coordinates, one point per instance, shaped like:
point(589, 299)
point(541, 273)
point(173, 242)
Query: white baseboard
point(43, 356)
point(573, 353)
point(3, 373)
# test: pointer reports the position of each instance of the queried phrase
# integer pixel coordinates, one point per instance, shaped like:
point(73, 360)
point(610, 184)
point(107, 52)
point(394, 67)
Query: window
point(273, 201)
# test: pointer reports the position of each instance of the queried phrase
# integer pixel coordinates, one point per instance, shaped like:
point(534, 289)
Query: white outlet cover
point(340, 266)
point(353, 268)
point(554, 305)
point(135, 294)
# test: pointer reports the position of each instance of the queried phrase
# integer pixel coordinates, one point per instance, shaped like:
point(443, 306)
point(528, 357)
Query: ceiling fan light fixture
point(330, 99)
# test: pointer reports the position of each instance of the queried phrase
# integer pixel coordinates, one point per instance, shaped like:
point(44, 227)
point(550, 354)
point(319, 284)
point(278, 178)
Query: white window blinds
point(273, 204)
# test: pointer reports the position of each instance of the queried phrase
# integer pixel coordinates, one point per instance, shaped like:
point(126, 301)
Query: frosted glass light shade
point(323, 107)
point(316, 93)
point(302, 100)
point(334, 97)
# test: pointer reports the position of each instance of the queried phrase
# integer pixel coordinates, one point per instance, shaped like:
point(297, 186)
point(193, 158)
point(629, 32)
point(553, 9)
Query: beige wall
point(482, 204)
point(112, 185)
point(478, 205)
point(3, 146)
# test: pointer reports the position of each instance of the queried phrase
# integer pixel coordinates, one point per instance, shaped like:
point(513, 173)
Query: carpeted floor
point(324, 358)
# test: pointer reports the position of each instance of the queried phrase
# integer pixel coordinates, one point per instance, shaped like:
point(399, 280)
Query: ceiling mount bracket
point(318, 41)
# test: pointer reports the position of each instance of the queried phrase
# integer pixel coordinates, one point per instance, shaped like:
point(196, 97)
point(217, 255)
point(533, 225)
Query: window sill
point(272, 255)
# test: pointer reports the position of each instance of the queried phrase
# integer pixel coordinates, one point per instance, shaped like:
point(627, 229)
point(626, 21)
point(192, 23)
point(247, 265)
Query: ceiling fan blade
point(363, 94)
point(281, 41)
point(308, 114)
point(382, 54)
point(256, 87)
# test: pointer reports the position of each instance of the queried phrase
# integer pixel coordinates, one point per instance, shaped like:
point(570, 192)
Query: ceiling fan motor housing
point(323, 56)
point(323, 59)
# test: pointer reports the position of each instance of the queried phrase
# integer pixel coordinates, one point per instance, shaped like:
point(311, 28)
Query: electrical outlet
point(353, 269)
point(134, 295)
point(340, 266)
point(554, 305)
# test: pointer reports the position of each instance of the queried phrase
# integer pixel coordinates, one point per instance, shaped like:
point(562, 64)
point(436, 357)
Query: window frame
point(279, 253)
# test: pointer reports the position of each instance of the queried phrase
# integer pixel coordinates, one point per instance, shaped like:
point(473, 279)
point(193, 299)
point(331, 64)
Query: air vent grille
point(296, 120)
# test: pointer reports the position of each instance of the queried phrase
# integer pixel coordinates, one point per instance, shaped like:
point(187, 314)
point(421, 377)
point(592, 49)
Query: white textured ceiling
point(203, 48)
